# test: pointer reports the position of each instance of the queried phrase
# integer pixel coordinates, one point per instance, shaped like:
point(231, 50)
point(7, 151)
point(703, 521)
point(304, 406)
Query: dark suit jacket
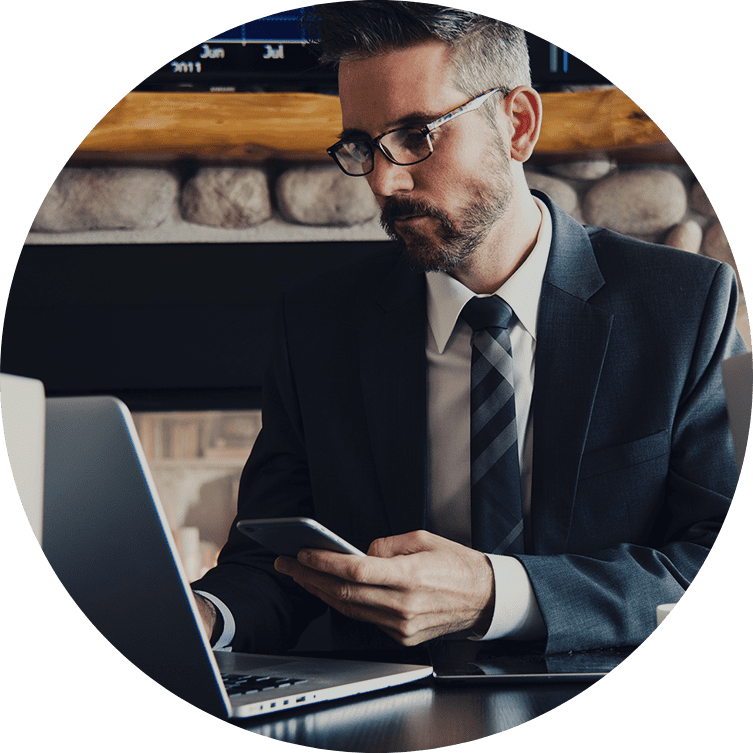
point(633, 465)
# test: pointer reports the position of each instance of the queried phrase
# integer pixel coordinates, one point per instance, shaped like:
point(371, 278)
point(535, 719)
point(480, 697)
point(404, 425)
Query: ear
point(523, 110)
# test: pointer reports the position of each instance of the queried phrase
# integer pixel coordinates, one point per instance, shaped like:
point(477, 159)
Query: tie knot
point(483, 313)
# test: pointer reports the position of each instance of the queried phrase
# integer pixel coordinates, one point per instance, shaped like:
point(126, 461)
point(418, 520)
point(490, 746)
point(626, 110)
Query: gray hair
point(485, 53)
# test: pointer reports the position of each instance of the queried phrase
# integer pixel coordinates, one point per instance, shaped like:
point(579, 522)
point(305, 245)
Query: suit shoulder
point(653, 261)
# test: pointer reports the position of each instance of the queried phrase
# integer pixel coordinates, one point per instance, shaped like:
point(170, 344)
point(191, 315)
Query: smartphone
point(289, 535)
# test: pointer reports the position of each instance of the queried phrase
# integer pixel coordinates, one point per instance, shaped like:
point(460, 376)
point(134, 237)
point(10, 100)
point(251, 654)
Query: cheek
point(458, 162)
point(447, 185)
point(456, 165)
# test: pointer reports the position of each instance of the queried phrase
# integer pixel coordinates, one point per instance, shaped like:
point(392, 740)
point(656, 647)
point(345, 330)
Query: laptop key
point(236, 684)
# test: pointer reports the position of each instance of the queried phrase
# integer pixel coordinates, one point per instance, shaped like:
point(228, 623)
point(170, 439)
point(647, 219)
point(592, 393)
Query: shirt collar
point(446, 296)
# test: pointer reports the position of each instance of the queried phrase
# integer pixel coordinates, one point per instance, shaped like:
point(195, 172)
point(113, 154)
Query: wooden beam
point(605, 120)
point(217, 124)
point(263, 125)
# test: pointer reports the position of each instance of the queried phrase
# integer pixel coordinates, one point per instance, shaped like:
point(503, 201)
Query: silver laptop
point(106, 537)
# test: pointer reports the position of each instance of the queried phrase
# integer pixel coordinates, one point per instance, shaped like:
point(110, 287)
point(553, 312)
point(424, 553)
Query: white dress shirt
point(448, 350)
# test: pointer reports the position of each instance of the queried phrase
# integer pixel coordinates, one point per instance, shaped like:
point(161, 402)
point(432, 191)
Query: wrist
point(487, 596)
point(210, 617)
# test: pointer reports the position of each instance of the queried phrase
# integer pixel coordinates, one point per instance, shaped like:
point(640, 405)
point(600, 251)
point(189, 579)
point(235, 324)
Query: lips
point(399, 208)
point(402, 217)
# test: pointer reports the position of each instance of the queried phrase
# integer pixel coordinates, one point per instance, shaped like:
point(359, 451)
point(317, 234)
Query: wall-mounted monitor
point(271, 54)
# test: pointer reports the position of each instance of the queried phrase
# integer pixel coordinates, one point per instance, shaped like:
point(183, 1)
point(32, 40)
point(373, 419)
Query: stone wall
point(293, 202)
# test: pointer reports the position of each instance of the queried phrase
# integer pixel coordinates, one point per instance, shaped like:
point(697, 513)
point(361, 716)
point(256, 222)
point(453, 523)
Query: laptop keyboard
point(243, 684)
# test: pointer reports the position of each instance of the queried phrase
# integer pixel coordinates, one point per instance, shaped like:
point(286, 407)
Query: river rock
point(686, 236)
point(637, 202)
point(716, 245)
point(587, 169)
point(324, 195)
point(699, 202)
point(107, 198)
point(558, 190)
point(227, 197)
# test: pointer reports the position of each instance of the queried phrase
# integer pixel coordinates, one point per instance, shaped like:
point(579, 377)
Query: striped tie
point(496, 508)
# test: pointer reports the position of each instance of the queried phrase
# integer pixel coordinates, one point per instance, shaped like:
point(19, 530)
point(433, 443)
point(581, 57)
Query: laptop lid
point(107, 538)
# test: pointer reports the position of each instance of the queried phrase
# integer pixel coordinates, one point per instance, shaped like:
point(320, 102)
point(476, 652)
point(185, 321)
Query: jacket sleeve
point(609, 597)
point(270, 611)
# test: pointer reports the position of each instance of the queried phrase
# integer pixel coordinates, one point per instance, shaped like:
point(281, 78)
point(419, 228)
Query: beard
point(450, 243)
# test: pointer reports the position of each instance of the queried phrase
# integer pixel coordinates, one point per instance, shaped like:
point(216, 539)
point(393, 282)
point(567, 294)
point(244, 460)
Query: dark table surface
point(423, 715)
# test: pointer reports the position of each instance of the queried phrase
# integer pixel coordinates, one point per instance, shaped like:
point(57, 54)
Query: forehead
point(379, 92)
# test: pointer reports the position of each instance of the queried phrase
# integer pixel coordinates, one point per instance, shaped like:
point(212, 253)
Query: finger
point(336, 588)
point(360, 602)
point(364, 610)
point(320, 560)
point(408, 618)
point(312, 579)
point(374, 571)
point(408, 632)
point(404, 631)
point(405, 543)
point(385, 607)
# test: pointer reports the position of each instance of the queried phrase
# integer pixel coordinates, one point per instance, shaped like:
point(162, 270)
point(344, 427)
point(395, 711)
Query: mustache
point(397, 207)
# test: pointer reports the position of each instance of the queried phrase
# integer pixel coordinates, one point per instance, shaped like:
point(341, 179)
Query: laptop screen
point(23, 411)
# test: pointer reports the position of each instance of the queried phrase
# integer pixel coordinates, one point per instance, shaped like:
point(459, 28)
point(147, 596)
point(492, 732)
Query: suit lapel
point(393, 367)
point(572, 338)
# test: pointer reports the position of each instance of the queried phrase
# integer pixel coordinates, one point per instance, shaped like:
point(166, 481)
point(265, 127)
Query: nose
point(387, 178)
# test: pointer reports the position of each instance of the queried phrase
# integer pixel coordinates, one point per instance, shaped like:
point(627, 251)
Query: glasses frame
point(426, 130)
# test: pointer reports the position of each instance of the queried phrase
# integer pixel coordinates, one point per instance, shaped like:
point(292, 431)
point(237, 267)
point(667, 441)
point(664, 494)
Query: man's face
point(441, 209)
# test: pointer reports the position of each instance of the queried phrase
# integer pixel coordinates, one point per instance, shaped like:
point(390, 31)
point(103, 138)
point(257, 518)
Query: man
point(623, 460)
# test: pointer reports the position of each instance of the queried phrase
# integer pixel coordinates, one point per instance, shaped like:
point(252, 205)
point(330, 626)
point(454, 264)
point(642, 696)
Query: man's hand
point(415, 587)
point(208, 614)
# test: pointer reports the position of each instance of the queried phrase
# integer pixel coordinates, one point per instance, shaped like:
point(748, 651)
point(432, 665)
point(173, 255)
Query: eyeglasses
point(401, 146)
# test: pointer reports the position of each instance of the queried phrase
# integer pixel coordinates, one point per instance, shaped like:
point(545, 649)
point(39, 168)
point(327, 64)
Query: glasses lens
point(355, 157)
point(407, 146)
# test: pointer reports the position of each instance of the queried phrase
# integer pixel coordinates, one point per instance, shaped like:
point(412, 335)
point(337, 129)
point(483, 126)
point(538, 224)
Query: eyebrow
point(353, 134)
point(414, 118)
